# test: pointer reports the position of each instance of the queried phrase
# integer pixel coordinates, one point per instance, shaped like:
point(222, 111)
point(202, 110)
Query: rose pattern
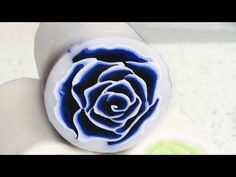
point(108, 94)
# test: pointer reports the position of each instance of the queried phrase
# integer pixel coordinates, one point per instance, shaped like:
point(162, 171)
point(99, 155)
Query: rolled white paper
point(24, 127)
point(104, 93)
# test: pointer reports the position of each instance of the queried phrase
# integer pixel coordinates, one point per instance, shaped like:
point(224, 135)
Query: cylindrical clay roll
point(105, 89)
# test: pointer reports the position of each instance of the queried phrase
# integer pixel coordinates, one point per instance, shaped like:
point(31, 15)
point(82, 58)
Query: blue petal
point(130, 111)
point(147, 72)
point(109, 55)
point(103, 107)
point(102, 122)
point(130, 121)
point(115, 73)
point(138, 85)
point(92, 93)
point(119, 102)
point(67, 105)
point(86, 79)
point(87, 128)
point(123, 87)
point(138, 124)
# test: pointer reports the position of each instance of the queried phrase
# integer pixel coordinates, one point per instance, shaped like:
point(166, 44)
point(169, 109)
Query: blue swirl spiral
point(108, 94)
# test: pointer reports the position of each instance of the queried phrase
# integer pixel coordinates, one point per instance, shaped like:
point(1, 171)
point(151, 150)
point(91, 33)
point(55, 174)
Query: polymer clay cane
point(104, 91)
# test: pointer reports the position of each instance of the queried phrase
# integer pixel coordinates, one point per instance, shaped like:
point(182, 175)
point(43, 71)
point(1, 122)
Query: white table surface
point(203, 75)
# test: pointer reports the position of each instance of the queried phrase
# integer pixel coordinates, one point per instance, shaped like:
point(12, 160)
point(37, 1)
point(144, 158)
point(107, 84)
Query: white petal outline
point(91, 62)
point(133, 123)
point(57, 93)
point(88, 91)
point(125, 97)
point(141, 81)
point(82, 136)
point(124, 82)
point(97, 110)
point(149, 65)
point(115, 107)
point(135, 111)
point(103, 126)
point(120, 66)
